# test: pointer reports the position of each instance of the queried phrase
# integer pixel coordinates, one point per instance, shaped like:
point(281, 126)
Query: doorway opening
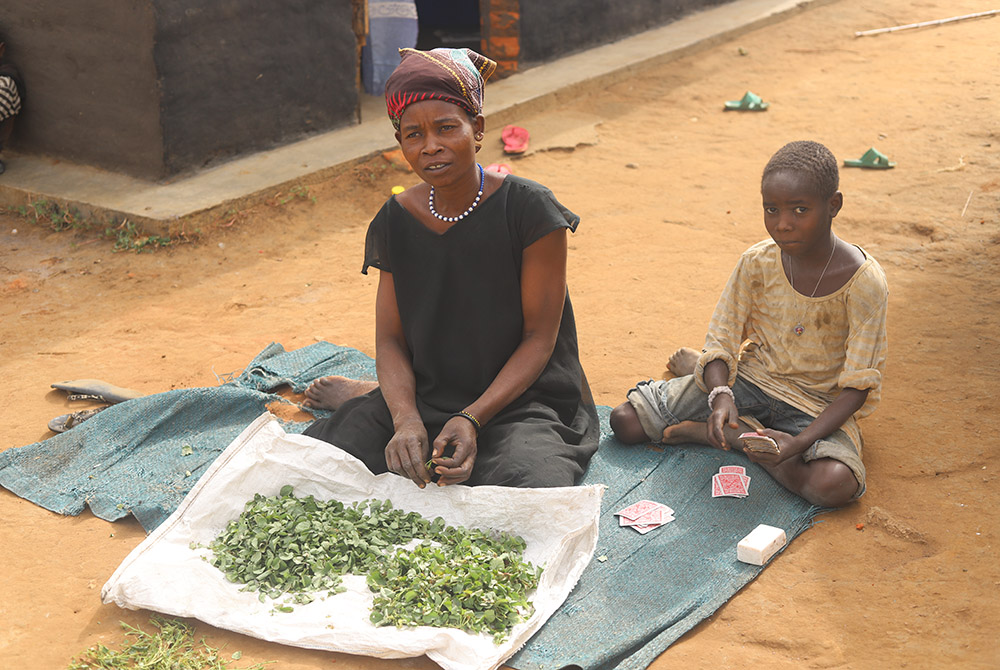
point(449, 24)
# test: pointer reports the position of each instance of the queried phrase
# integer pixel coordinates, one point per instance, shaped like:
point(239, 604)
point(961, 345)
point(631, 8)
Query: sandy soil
point(667, 186)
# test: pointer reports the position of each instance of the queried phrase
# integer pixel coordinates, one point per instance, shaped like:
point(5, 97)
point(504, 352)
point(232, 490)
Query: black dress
point(459, 300)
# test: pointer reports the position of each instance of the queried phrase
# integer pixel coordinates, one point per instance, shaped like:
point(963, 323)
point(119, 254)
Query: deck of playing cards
point(730, 481)
point(759, 443)
point(644, 516)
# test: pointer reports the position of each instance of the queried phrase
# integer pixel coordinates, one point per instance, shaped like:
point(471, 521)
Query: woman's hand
point(460, 434)
point(406, 453)
point(724, 415)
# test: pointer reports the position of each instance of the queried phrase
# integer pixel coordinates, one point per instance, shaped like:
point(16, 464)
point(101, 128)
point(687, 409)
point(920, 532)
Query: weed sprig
point(172, 648)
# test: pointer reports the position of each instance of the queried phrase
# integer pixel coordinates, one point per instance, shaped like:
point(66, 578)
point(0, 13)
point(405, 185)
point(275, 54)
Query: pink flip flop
point(502, 168)
point(515, 140)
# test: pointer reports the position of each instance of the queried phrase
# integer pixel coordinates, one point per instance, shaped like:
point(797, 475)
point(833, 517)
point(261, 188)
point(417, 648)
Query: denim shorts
point(663, 403)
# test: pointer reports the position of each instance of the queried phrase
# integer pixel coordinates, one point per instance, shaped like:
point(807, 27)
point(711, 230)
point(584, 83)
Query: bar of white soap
point(760, 545)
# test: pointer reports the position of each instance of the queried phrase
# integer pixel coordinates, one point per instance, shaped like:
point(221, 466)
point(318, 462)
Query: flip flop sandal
point(873, 159)
point(64, 422)
point(750, 102)
point(95, 389)
point(502, 168)
point(515, 139)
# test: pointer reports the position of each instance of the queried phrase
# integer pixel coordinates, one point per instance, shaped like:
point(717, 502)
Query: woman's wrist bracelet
point(716, 392)
point(469, 417)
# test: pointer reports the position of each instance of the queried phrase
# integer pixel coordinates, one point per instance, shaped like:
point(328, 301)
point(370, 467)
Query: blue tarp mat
point(639, 595)
point(141, 457)
point(650, 589)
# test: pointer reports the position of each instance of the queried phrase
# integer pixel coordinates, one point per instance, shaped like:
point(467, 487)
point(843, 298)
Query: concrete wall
point(154, 88)
point(553, 28)
point(91, 89)
point(243, 75)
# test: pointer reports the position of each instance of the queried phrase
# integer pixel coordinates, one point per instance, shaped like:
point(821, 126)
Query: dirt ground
point(667, 188)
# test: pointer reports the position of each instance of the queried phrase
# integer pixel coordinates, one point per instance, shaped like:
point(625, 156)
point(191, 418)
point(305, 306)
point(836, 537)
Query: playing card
point(646, 521)
point(645, 529)
point(635, 510)
point(652, 516)
point(732, 484)
point(644, 516)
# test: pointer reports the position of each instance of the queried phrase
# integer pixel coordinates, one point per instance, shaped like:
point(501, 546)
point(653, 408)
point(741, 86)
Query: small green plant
point(128, 238)
point(297, 192)
point(171, 648)
point(53, 214)
point(125, 233)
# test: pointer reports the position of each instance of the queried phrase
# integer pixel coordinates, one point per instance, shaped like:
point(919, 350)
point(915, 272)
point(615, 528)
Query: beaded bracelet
point(466, 415)
point(719, 390)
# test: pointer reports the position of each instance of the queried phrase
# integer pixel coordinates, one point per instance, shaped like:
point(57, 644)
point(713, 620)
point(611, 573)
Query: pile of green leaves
point(453, 577)
point(287, 545)
point(172, 648)
point(470, 580)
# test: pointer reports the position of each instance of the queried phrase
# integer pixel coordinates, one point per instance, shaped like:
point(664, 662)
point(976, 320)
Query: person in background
point(11, 93)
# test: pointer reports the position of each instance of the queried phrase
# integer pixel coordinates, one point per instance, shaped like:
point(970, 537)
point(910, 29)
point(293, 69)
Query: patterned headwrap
point(457, 76)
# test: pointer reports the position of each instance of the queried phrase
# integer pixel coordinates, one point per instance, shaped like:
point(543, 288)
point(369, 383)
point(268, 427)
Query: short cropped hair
point(811, 159)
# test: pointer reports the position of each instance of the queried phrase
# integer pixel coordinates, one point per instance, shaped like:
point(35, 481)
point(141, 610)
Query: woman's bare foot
point(683, 361)
point(686, 432)
point(332, 392)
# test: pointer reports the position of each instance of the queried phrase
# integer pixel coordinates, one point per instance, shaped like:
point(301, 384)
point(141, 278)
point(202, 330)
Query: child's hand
point(724, 415)
point(787, 444)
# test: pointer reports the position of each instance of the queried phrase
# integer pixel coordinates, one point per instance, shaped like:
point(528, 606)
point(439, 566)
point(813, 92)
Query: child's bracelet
point(717, 391)
point(466, 415)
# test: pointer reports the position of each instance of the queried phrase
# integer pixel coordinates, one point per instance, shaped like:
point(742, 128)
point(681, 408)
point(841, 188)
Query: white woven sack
point(166, 575)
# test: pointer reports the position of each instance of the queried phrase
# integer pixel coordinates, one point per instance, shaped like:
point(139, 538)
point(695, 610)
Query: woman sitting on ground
point(476, 350)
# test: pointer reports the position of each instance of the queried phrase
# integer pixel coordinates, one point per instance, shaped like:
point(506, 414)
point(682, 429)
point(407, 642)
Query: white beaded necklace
point(475, 203)
point(799, 328)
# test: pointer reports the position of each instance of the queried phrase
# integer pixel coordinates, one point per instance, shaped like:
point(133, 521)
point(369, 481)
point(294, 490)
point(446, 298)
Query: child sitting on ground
point(795, 349)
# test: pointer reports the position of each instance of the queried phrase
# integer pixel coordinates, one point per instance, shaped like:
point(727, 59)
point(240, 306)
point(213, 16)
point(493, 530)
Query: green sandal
point(750, 102)
point(873, 159)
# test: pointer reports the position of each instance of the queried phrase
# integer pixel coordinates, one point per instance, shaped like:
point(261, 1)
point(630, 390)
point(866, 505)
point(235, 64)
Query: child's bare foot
point(686, 432)
point(683, 361)
point(332, 392)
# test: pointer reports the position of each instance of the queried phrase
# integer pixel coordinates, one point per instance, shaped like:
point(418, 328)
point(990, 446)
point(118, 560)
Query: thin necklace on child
point(799, 328)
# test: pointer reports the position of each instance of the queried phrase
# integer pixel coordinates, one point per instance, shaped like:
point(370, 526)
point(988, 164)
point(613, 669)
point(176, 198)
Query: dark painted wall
point(153, 88)
point(243, 75)
point(554, 28)
point(91, 92)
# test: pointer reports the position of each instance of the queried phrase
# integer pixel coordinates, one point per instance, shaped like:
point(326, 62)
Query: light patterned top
point(842, 342)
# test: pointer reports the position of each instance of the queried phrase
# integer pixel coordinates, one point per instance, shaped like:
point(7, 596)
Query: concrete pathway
point(248, 179)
